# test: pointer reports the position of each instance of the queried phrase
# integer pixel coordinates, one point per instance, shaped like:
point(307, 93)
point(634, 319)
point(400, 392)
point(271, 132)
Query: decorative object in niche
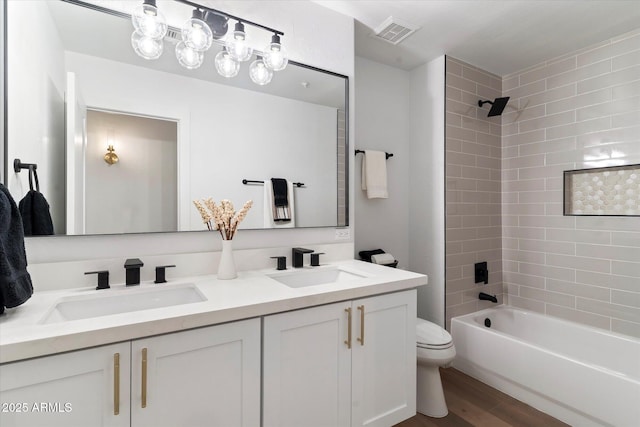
point(610, 191)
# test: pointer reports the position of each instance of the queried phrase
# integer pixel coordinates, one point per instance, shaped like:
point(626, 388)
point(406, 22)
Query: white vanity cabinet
point(344, 364)
point(206, 376)
point(81, 388)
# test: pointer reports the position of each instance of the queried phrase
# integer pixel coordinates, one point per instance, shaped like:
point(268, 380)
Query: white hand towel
point(374, 174)
point(268, 206)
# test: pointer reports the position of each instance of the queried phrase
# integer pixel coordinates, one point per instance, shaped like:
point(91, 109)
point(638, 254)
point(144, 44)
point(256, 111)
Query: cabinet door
point(384, 359)
point(307, 368)
point(208, 376)
point(81, 388)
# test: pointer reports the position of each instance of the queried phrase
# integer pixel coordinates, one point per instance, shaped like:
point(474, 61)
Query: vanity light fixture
point(226, 65)
point(259, 72)
point(196, 34)
point(237, 46)
point(111, 157)
point(275, 56)
point(206, 27)
point(150, 27)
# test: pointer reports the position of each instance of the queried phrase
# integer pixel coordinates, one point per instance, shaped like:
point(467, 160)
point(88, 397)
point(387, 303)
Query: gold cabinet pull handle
point(116, 384)
point(348, 340)
point(144, 377)
point(361, 337)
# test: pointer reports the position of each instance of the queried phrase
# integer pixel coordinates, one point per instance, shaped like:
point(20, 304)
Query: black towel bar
point(387, 155)
point(252, 181)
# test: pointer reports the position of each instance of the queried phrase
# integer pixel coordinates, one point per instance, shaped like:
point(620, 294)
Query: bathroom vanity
point(332, 345)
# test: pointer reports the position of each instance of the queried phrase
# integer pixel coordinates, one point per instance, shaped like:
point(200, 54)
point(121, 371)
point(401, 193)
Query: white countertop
point(252, 294)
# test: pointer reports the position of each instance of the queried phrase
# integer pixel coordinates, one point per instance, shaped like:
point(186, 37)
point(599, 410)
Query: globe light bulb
point(187, 57)
point(259, 73)
point(226, 65)
point(146, 47)
point(275, 55)
point(196, 34)
point(237, 46)
point(149, 21)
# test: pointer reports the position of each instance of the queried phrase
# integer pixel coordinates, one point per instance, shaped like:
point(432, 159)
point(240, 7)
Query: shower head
point(497, 106)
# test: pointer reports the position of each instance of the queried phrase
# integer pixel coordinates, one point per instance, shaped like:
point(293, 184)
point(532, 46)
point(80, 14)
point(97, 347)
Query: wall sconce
point(111, 157)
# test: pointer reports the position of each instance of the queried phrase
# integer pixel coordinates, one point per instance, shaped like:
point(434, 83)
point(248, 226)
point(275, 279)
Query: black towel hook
point(33, 174)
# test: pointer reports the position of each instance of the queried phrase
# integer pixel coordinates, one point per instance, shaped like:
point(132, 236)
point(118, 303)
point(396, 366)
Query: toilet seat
point(431, 336)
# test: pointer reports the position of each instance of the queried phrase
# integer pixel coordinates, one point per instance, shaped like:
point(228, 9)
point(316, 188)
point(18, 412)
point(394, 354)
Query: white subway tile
point(573, 315)
point(548, 121)
point(547, 296)
point(627, 328)
point(547, 271)
point(549, 96)
point(626, 120)
point(580, 290)
point(631, 299)
point(526, 304)
point(626, 239)
point(618, 253)
point(610, 79)
point(581, 73)
point(610, 50)
point(579, 101)
point(551, 146)
point(616, 311)
point(626, 268)
point(626, 90)
point(607, 280)
point(626, 60)
point(460, 83)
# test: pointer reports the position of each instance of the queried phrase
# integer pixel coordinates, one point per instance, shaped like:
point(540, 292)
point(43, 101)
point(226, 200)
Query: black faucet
point(298, 256)
point(487, 297)
point(132, 266)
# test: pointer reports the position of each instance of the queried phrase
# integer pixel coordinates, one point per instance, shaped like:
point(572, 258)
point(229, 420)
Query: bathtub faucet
point(487, 297)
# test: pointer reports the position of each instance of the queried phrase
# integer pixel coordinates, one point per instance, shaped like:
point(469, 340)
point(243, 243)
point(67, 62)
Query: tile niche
point(609, 191)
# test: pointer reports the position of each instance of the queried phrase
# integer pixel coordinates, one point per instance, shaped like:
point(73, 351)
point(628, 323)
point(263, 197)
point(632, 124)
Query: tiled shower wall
point(473, 188)
point(578, 111)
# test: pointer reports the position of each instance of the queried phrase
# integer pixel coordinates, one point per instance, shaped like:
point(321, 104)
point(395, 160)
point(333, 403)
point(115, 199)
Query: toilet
point(434, 350)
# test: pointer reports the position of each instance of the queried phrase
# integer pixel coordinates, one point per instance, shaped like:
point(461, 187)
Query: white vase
point(227, 266)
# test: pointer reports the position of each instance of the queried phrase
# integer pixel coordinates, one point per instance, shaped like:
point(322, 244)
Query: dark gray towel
point(36, 218)
point(281, 208)
point(15, 282)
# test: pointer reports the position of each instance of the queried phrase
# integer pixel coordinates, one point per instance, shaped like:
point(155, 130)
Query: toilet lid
point(430, 334)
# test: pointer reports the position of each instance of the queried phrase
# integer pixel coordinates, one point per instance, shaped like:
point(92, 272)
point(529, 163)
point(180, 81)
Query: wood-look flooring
point(472, 403)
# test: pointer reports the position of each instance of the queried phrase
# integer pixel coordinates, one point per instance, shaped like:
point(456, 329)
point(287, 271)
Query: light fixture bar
point(236, 18)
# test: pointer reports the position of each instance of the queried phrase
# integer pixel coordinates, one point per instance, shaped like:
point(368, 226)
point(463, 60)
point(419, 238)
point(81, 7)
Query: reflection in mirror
point(179, 134)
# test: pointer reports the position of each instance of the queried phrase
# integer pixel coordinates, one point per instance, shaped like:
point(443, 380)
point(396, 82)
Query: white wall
point(403, 113)
point(139, 193)
point(426, 181)
point(44, 132)
point(316, 36)
point(382, 123)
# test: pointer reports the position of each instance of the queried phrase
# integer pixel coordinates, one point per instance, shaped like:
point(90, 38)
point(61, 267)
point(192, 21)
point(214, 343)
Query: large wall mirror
point(75, 87)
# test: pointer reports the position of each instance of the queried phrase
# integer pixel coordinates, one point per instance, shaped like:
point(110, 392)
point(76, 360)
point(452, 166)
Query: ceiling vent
point(394, 30)
point(173, 35)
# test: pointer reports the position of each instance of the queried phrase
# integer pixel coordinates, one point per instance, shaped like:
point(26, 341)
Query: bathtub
point(580, 375)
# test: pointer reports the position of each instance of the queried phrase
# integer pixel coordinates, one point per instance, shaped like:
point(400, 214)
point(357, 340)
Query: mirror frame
point(8, 163)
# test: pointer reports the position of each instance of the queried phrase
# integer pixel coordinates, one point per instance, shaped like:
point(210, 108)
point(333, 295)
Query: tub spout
point(487, 297)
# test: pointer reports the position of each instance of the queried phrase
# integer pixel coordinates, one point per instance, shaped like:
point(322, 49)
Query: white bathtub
point(580, 375)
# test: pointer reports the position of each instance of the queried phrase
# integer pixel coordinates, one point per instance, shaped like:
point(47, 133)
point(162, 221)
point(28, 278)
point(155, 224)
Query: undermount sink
point(315, 276)
point(107, 302)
